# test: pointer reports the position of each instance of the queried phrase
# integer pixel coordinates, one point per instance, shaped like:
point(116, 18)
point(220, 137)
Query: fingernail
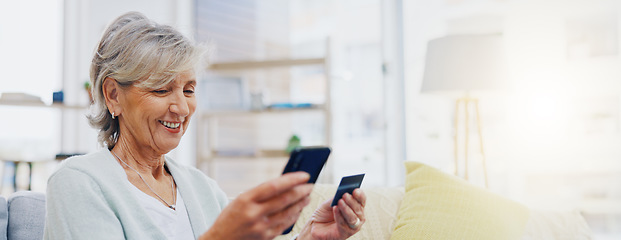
point(304, 176)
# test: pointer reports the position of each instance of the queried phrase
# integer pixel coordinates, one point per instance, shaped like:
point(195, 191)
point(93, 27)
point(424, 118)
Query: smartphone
point(310, 160)
point(348, 185)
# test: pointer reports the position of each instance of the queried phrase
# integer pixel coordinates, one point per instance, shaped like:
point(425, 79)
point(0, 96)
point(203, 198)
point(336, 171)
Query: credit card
point(348, 185)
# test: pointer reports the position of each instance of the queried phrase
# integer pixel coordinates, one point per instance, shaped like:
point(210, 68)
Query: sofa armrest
point(26, 218)
point(4, 218)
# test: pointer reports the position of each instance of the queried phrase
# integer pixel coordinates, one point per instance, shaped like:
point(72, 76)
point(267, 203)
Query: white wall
point(561, 116)
point(552, 141)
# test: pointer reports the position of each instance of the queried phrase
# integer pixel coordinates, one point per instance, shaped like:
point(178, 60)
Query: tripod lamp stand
point(462, 64)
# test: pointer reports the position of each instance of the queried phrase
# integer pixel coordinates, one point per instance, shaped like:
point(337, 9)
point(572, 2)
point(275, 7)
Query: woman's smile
point(173, 127)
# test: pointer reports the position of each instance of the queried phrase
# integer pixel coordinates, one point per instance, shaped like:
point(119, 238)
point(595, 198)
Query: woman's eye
point(188, 91)
point(161, 91)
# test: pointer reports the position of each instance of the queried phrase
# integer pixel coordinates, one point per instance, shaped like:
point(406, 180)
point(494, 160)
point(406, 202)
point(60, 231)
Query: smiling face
point(156, 119)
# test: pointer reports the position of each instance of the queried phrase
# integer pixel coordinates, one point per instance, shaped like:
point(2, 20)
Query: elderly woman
point(143, 75)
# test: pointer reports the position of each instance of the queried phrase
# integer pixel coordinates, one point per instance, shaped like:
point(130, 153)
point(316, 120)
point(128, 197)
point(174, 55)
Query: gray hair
point(135, 50)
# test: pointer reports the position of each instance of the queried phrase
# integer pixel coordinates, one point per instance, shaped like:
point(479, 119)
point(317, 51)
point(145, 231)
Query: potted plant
point(87, 87)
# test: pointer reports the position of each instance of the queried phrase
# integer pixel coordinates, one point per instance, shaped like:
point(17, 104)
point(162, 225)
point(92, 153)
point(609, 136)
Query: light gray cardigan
point(89, 197)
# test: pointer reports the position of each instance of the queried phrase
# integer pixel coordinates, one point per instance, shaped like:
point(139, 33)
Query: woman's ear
point(110, 91)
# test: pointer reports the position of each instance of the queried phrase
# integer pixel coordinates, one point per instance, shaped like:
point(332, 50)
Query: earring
point(112, 115)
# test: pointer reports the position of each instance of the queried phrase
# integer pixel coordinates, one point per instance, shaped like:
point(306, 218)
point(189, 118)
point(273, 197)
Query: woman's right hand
point(265, 211)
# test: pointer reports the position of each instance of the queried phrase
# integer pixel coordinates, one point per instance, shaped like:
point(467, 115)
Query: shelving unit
point(247, 169)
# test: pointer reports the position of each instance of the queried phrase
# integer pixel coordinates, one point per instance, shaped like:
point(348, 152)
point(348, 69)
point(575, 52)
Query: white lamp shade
point(464, 63)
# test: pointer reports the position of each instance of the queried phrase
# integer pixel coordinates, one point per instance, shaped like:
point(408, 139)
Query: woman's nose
point(180, 105)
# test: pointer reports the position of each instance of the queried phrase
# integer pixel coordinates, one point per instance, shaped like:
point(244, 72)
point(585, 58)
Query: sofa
point(436, 205)
point(431, 205)
point(22, 216)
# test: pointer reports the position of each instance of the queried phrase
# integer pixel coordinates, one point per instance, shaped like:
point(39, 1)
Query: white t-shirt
point(175, 224)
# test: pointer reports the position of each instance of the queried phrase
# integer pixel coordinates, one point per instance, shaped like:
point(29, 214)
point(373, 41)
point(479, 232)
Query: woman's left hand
point(338, 222)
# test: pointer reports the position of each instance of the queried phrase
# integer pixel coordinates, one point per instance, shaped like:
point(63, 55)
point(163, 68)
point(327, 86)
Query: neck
point(145, 162)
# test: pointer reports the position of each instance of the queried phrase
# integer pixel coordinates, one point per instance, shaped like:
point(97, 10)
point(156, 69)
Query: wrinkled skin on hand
point(265, 211)
point(332, 223)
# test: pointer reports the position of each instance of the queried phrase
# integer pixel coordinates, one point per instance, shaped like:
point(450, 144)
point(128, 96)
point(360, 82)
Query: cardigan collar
point(197, 220)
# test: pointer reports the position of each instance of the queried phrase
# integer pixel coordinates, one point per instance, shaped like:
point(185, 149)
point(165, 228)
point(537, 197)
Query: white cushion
point(556, 225)
point(380, 210)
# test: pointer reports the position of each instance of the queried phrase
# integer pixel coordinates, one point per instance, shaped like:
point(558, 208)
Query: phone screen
point(309, 159)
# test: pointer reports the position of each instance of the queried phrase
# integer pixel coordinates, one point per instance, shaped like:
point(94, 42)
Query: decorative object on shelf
point(256, 101)
point(87, 87)
point(58, 97)
point(290, 105)
point(223, 93)
point(462, 64)
point(294, 142)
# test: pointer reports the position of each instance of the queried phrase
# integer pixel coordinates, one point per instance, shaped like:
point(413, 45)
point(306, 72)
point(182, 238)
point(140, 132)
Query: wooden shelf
point(217, 113)
point(266, 64)
point(41, 104)
point(261, 153)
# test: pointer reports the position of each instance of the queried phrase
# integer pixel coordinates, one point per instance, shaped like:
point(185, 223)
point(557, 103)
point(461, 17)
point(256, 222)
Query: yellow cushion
point(441, 206)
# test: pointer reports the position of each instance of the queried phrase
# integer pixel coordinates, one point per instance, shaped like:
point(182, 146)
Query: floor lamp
point(464, 64)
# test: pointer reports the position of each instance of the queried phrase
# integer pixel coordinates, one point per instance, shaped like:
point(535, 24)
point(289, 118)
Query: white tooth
point(171, 125)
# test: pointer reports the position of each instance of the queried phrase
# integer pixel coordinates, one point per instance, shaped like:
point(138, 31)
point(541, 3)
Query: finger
point(347, 212)
point(323, 212)
point(355, 205)
point(277, 186)
point(283, 219)
point(360, 196)
point(287, 199)
point(339, 219)
point(342, 223)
